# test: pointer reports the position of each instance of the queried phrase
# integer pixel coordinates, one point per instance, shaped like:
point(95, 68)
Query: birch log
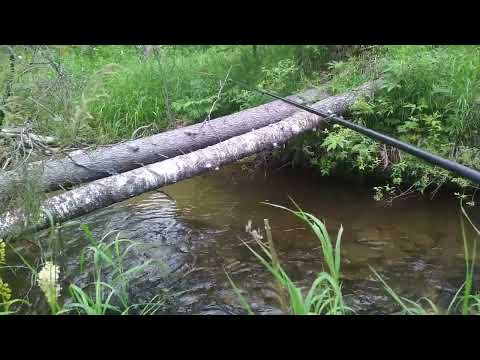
point(83, 166)
point(113, 189)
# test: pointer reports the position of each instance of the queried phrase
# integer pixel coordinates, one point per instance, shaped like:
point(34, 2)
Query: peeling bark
point(104, 192)
point(84, 166)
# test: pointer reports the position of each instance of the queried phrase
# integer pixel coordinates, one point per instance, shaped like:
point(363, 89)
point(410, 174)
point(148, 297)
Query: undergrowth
point(430, 98)
point(99, 94)
point(87, 95)
point(105, 289)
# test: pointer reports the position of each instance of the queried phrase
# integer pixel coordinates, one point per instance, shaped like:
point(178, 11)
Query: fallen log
point(83, 166)
point(18, 132)
point(104, 192)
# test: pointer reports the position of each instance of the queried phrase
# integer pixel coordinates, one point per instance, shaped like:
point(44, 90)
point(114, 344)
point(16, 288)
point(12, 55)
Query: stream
point(196, 228)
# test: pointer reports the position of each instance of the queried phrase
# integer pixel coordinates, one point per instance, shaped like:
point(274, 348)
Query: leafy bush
point(430, 98)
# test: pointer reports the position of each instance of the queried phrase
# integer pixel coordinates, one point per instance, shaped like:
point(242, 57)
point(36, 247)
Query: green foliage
point(67, 94)
point(441, 79)
point(2, 252)
point(179, 86)
point(5, 292)
point(313, 58)
point(281, 76)
point(346, 73)
point(470, 301)
point(346, 147)
point(429, 98)
point(6, 301)
point(108, 291)
point(325, 294)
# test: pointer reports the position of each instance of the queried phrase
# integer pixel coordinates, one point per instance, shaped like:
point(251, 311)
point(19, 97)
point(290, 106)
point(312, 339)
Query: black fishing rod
point(464, 171)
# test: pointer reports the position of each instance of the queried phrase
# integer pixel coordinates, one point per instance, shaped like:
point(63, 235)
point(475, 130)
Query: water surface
point(196, 228)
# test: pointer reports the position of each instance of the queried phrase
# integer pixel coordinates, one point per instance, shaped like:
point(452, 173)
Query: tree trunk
point(113, 189)
point(83, 166)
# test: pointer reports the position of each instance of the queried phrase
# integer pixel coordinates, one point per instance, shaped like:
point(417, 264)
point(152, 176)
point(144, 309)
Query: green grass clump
point(106, 291)
point(67, 93)
point(325, 294)
point(7, 304)
point(180, 85)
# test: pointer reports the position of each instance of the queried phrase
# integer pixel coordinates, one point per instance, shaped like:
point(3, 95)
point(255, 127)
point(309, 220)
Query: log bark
point(113, 189)
point(84, 166)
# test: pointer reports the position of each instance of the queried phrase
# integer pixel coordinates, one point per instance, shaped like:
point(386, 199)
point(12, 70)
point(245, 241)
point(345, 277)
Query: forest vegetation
point(82, 97)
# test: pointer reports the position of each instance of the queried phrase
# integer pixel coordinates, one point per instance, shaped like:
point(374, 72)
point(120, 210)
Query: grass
point(107, 289)
point(99, 94)
point(180, 85)
point(324, 297)
point(90, 95)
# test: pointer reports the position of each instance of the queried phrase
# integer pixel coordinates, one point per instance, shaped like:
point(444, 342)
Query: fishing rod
point(464, 171)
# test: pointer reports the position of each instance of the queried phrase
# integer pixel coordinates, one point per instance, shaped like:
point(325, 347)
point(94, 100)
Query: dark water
point(196, 228)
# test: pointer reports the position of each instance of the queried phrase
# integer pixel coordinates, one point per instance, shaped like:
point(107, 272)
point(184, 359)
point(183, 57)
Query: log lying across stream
point(84, 166)
point(116, 188)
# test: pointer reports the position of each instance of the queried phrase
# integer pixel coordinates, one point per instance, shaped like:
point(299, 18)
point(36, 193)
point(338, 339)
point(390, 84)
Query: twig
point(8, 87)
point(469, 220)
point(403, 194)
point(276, 265)
point(41, 105)
point(268, 230)
point(207, 119)
point(140, 128)
point(222, 85)
point(434, 192)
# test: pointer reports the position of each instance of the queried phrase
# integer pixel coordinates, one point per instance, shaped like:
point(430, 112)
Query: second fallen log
point(104, 192)
point(84, 166)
